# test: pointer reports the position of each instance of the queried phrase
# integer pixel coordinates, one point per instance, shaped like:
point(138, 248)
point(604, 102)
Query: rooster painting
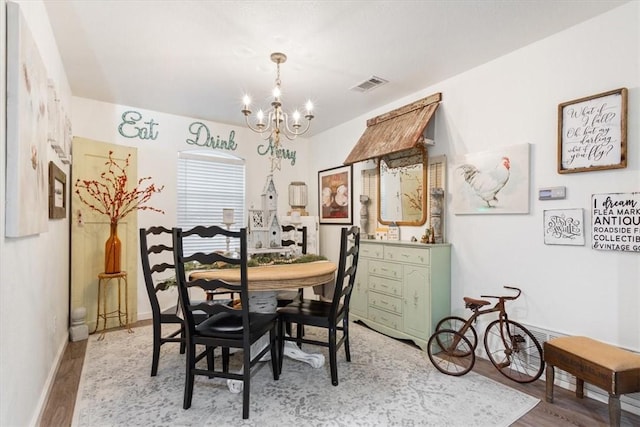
point(492, 182)
point(487, 183)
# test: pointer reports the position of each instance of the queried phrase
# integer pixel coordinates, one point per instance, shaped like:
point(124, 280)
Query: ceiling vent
point(371, 83)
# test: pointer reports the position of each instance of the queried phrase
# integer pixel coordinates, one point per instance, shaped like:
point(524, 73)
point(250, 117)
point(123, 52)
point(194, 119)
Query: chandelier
point(274, 121)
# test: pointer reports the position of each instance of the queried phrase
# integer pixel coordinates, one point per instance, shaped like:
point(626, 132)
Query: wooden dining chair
point(334, 315)
point(156, 255)
point(289, 241)
point(287, 297)
point(226, 327)
point(157, 267)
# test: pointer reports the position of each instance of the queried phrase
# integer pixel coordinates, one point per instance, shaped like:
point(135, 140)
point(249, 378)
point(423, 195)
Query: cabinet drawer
point(405, 254)
point(384, 318)
point(386, 269)
point(371, 251)
point(385, 302)
point(388, 286)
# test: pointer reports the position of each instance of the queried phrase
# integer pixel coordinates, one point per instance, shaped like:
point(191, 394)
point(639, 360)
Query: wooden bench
point(613, 369)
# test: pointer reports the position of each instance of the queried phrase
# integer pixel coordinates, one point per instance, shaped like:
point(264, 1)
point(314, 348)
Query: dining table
point(264, 283)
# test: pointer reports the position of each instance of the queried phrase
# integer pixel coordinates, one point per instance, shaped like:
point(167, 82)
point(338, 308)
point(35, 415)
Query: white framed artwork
point(564, 227)
point(492, 182)
point(27, 198)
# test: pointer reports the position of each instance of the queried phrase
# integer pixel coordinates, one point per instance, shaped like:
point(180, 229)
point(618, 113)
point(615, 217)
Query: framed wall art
point(592, 132)
point(27, 124)
point(57, 192)
point(564, 227)
point(335, 192)
point(492, 182)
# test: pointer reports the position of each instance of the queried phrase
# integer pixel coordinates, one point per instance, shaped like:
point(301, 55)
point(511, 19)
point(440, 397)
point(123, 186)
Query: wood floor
point(566, 410)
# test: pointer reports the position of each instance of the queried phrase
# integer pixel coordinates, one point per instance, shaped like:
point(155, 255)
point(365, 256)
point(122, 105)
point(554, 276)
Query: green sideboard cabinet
point(402, 289)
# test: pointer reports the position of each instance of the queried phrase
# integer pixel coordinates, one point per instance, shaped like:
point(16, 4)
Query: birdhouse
point(264, 226)
point(270, 195)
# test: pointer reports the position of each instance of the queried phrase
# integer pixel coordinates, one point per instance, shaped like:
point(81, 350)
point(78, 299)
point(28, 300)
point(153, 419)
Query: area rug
point(387, 383)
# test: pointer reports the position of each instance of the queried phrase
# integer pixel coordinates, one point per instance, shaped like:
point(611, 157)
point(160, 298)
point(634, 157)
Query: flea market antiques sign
point(616, 221)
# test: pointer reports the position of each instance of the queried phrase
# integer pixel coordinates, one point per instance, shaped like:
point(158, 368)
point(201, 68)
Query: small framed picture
point(57, 192)
point(335, 188)
point(564, 227)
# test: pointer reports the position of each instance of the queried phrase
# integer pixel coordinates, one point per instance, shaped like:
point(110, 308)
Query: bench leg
point(579, 388)
point(614, 410)
point(550, 378)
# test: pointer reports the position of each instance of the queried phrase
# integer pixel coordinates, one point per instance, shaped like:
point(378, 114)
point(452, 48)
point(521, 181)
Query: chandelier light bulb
point(246, 101)
point(260, 117)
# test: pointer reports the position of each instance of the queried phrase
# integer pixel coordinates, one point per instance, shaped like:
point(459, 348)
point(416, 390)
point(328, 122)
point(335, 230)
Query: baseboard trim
point(48, 385)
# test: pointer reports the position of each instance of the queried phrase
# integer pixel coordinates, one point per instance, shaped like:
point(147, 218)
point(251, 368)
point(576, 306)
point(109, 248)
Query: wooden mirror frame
point(423, 218)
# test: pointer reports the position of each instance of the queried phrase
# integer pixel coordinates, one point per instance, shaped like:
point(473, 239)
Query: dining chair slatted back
point(159, 272)
point(287, 297)
point(156, 254)
point(227, 326)
point(291, 241)
point(334, 315)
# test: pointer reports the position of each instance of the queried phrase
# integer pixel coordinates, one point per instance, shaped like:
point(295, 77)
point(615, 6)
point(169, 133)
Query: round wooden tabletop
point(276, 277)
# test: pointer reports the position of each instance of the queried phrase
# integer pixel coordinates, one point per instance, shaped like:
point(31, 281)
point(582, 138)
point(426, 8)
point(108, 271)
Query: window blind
point(206, 184)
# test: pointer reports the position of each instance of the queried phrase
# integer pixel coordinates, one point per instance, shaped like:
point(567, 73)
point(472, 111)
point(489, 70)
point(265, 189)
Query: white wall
point(511, 100)
point(34, 272)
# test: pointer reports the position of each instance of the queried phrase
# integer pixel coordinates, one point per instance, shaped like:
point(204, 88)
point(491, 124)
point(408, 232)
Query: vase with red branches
point(111, 196)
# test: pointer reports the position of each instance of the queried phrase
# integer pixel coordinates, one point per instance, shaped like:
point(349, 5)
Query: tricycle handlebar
point(505, 297)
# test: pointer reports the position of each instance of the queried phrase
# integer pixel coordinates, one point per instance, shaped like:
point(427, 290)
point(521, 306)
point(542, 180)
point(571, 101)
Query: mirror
point(402, 180)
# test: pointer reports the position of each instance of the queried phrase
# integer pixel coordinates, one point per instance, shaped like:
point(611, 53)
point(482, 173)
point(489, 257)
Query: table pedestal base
point(266, 302)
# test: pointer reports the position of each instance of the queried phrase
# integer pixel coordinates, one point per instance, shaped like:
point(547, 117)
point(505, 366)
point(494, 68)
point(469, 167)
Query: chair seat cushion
point(307, 307)
point(173, 315)
point(229, 325)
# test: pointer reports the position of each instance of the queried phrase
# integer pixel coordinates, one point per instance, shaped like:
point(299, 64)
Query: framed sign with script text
point(592, 132)
point(564, 227)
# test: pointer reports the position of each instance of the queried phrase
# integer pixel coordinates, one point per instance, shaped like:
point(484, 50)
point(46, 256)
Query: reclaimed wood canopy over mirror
point(396, 140)
point(398, 130)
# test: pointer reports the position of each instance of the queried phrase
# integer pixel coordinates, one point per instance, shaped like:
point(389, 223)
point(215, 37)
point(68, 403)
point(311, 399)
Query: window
point(207, 183)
